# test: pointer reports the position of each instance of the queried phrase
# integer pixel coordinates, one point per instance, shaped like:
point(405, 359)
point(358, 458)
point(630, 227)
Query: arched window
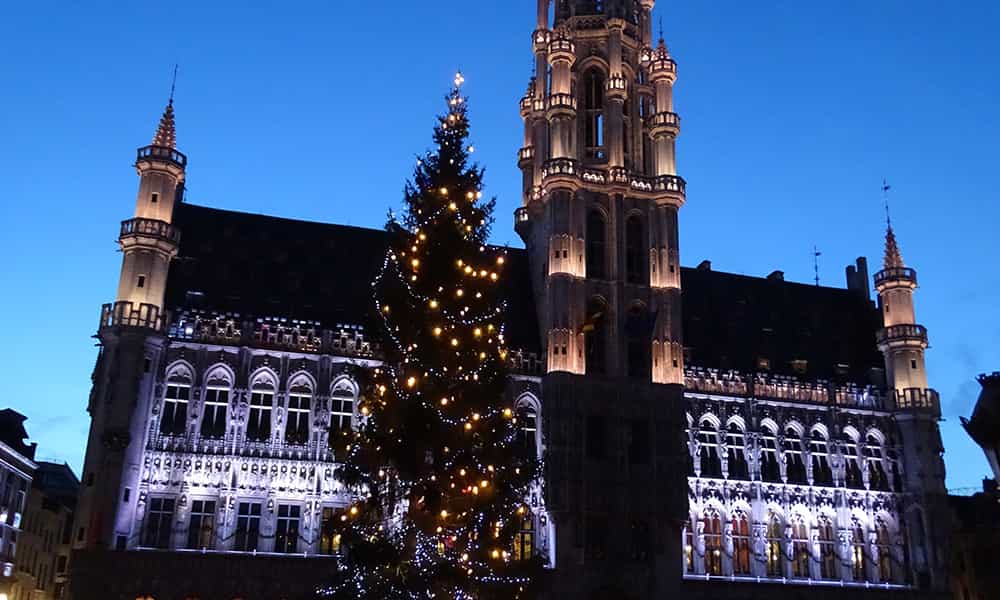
point(593, 106)
point(877, 478)
point(261, 407)
point(636, 270)
point(852, 470)
point(858, 559)
point(736, 450)
point(297, 422)
point(638, 342)
point(595, 332)
point(769, 470)
point(173, 417)
point(713, 542)
point(214, 418)
point(341, 410)
point(775, 557)
point(884, 544)
point(741, 544)
point(800, 547)
point(596, 245)
point(828, 566)
point(527, 430)
point(795, 467)
point(821, 471)
point(708, 441)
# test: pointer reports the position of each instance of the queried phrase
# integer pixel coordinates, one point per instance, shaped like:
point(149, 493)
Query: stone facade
point(735, 439)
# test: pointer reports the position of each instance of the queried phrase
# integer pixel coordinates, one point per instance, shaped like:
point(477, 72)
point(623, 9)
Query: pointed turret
point(166, 133)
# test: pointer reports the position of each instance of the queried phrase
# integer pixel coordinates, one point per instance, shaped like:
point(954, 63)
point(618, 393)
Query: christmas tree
point(441, 481)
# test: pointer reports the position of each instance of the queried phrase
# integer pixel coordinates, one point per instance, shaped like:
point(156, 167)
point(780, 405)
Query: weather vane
point(885, 199)
point(173, 84)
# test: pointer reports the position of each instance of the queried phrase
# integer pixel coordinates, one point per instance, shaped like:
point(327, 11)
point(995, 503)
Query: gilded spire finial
point(166, 133)
point(893, 258)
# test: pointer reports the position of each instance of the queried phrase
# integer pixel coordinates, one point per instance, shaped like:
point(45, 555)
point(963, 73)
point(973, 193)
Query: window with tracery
point(795, 468)
point(173, 417)
point(593, 105)
point(158, 526)
point(769, 470)
point(297, 422)
point(638, 342)
point(708, 442)
point(688, 548)
point(201, 526)
point(259, 417)
point(877, 478)
point(527, 432)
point(214, 414)
point(524, 541)
point(828, 563)
point(595, 336)
point(883, 542)
point(341, 412)
point(819, 452)
point(741, 544)
point(736, 450)
point(858, 558)
point(775, 556)
point(713, 542)
point(852, 468)
point(800, 548)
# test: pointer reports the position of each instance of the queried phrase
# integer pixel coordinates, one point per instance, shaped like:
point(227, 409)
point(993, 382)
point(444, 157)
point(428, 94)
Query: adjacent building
point(17, 467)
point(44, 549)
point(705, 434)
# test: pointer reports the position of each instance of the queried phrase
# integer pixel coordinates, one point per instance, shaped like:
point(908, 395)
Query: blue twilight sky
point(793, 113)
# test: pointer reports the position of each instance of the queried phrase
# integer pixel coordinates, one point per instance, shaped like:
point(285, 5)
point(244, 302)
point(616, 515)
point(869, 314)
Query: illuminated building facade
point(709, 434)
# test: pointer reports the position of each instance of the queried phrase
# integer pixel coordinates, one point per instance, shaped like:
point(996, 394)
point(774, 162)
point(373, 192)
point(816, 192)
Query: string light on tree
point(435, 463)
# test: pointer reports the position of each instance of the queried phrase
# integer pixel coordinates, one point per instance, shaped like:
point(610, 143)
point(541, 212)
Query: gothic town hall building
point(706, 435)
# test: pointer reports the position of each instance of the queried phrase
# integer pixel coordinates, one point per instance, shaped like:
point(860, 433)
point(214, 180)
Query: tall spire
point(166, 133)
point(893, 259)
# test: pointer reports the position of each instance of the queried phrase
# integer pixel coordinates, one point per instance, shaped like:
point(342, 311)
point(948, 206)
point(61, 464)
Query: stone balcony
point(767, 386)
point(130, 314)
point(561, 49)
point(664, 123)
point(895, 277)
point(161, 153)
point(525, 156)
point(560, 105)
point(568, 171)
point(902, 335)
point(238, 446)
point(151, 230)
point(917, 399)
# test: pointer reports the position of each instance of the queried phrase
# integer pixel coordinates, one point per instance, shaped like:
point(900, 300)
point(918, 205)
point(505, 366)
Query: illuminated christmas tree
point(440, 477)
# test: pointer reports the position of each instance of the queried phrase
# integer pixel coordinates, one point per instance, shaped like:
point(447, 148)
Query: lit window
point(201, 530)
point(329, 541)
point(800, 548)
point(858, 562)
point(884, 544)
point(527, 433)
point(828, 563)
point(775, 556)
point(524, 541)
point(713, 543)
point(741, 544)
point(287, 533)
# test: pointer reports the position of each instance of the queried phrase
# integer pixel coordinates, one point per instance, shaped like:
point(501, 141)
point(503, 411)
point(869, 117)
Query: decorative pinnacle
point(166, 133)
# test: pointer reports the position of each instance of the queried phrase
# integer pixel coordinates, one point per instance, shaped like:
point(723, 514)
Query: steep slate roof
point(269, 266)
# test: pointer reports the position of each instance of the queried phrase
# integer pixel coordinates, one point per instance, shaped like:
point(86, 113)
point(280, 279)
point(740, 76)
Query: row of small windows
point(260, 416)
point(802, 457)
point(275, 529)
point(789, 549)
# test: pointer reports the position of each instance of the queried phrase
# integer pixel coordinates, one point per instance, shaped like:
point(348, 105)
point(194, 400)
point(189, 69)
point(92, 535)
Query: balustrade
point(130, 314)
point(902, 333)
point(896, 274)
point(151, 227)
point(162, 153)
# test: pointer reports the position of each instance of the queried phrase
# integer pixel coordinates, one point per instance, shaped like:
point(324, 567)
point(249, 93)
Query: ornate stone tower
point(132, 339)
point(599, 219)
point(917, 410)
